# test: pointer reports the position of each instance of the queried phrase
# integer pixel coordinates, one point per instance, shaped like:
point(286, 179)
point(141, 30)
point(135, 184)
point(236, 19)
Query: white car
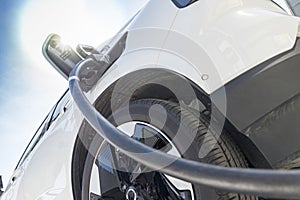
point(213, 81)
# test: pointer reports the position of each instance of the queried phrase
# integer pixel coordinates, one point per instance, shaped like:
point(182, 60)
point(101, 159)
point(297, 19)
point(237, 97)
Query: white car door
point(13, 185)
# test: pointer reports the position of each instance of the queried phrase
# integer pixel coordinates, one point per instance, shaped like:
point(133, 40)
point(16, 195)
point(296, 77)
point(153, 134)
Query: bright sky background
point(29, 86)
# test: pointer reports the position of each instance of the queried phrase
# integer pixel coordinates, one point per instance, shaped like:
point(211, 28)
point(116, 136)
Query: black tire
point(224, 152)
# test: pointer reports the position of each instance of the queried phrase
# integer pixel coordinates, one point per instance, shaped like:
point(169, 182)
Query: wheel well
point(254, 156)
point(152, 90)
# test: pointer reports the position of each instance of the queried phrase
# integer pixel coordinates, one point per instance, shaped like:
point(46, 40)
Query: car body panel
point(49, 162)
point(236, 50)
point(264, 104)
point(226, 52)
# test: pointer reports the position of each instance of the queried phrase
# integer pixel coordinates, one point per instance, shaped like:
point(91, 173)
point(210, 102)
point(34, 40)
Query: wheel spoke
point(173, 191)
point(132, 176)
point(97, 197)
point(151, 137)
point(95, 180)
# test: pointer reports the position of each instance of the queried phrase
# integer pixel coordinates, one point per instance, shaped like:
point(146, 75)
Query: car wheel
point(110, 174)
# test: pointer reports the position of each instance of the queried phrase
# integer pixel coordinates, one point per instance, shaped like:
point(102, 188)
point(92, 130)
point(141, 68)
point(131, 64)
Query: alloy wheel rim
point(130, 191)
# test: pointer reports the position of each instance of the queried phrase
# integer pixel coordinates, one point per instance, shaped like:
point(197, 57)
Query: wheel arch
point(156, 91)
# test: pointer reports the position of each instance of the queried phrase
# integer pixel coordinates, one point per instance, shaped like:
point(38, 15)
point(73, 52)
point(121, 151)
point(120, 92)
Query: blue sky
point(29, 86)
point(8, 13)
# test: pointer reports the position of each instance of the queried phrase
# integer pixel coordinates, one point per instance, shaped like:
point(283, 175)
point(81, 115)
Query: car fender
point(236, 35)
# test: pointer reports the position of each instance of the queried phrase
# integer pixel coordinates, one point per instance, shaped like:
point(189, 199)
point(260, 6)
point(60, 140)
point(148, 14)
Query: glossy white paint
point(146, 36)
point(222, 39)
point(46, 173)
point(236, 34)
